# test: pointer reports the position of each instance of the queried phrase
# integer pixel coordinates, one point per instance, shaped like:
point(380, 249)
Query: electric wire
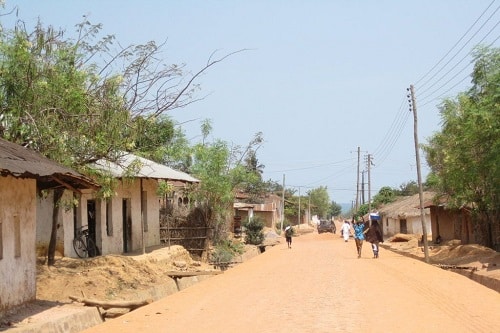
point(383, 157)
point(392, 131)
point(458, 63)
point(451, 49)
point(393, 134)
point(457, 53)
point(425, 100)
point(311, 167)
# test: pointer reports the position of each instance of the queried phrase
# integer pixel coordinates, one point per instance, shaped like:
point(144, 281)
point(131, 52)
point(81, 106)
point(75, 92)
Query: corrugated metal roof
point(21, 162)
point(146, 169)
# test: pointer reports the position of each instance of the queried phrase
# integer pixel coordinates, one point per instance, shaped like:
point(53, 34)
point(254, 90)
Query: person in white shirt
point(346, 230)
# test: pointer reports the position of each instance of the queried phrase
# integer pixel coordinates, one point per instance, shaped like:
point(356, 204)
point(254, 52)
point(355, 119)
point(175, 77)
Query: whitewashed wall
point(129, 189)
point(44, 225)
point(108, 243)
point(18, 262)
point(413, 225)
point(132, 190)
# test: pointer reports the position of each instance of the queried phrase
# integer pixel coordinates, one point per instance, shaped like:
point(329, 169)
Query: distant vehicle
point(326, 226)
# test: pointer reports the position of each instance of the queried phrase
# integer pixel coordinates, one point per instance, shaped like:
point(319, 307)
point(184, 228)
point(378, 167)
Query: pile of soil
point(111, 277)
point(477, 262)
point(103, 278)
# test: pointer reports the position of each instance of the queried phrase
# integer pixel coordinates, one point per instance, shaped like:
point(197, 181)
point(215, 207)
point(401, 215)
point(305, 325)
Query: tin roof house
point(126, 222)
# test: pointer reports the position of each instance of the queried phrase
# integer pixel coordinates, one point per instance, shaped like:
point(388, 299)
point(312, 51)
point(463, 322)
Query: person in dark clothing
point(288, 236)
point(374, 236)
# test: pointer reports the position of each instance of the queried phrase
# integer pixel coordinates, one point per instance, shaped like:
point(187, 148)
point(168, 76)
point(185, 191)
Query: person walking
point(359, 235)
point(288, 236)
point(374, 236)
point(346, 230)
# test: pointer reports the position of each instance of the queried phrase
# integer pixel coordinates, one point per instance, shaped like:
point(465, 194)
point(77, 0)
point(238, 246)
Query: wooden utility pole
point(363, 187)
point(298, 226)
point(419, 176)
point(369, 186)
point(357, 185)
point(283, 204)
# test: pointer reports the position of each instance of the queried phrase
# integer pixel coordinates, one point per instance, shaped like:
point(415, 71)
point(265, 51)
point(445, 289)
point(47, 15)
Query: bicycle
point(83, 244)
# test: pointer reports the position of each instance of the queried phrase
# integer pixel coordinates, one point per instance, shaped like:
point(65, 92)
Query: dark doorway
point(91, 224)
point(127, 226)
point(402, 227)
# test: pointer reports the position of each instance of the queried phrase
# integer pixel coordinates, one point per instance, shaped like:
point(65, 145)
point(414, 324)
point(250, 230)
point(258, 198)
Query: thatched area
point(406, 207)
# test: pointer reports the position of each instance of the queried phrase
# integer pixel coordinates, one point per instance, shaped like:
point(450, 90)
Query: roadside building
point(129, 220)
point(23, 174)
point(403, 216)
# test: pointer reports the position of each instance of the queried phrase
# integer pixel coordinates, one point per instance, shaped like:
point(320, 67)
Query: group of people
point(364, 230)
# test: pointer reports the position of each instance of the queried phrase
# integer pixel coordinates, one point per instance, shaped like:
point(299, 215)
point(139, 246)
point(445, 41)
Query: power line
point(313, 166)
point(393, 134)
point(426, 97)
point(458, 63)
point(456, 44)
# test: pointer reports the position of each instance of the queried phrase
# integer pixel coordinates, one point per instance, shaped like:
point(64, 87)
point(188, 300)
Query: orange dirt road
point(321, 286)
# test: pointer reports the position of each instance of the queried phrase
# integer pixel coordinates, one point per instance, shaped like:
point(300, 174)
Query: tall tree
point(215, 192)
point(385, 195)
point(335, 209)
point(77, 101)
point(464, 154)
point(320, 201)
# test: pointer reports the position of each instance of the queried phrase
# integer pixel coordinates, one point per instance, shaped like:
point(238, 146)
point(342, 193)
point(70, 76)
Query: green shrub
point(253, 231)
point(225, 251)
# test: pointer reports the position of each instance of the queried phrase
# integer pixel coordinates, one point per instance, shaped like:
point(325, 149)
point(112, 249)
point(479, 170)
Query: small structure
point(403, 216)
point(23, 173)
point(457, 223)
point(126, 222)
point(268, 209)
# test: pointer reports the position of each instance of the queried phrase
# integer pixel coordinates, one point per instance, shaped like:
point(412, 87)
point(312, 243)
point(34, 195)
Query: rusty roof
point(146, 169)
point(20, 162)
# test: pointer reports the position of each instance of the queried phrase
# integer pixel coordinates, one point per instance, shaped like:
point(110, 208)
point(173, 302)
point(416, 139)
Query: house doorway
point(91, 224)
point(127, 225)
point(402, 227)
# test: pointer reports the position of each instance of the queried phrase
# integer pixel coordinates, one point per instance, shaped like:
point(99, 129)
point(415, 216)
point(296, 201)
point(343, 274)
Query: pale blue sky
point(321, 78)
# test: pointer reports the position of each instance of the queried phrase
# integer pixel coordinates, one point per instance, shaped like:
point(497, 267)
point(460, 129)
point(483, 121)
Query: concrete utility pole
point(413, 106)
point(357, 184)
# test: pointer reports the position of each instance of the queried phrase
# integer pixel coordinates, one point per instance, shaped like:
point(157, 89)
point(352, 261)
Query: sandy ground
point(320, 286)
point(111, 278)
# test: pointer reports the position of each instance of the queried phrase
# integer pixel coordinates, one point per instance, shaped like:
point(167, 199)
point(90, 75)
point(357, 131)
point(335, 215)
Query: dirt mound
point(110, 277)
point(471, 254)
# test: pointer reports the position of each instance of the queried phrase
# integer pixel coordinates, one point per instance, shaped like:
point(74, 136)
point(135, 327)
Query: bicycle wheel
point(91, 248)
point(80, 248)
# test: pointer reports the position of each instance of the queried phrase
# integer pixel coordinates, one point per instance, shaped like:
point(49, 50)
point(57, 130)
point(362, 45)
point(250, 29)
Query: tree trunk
point(132, 305)
point(53, 234)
